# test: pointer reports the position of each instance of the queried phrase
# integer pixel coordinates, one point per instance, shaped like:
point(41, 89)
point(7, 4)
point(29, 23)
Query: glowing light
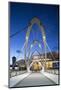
point(49, 64)
point(39, 45)
point(31, 45)
point(37, 66)
point(44, 37)
point(26, 37)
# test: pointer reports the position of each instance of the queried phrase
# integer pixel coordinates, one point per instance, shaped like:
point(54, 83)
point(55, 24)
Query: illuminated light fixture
point(26, 37)
point(39, 45)
point(31, 45)
point(49, 64)
point(44, 37)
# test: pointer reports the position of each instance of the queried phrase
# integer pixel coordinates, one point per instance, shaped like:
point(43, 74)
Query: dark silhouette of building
point(13, 62)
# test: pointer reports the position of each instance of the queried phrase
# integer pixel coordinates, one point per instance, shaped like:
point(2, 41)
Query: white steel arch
point(39, 23)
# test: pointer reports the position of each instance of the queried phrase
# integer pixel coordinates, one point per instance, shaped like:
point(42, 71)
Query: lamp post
point(18, 52)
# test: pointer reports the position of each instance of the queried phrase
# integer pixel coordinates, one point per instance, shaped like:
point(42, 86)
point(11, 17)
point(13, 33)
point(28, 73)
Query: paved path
point(16, 79)
point(35, 79)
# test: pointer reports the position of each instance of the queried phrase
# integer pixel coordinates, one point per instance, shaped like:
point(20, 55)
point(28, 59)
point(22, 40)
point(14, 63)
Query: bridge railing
point(55, 71)
point(15, 73)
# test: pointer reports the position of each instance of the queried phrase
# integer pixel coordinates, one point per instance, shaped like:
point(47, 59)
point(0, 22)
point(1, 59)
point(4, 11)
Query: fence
point(55, 71)
point(15, 73)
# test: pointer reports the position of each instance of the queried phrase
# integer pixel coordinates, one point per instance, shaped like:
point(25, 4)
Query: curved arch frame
point(32, 44)
point(38, 22)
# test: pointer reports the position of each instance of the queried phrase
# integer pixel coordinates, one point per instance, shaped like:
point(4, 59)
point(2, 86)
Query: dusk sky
point(21, 14)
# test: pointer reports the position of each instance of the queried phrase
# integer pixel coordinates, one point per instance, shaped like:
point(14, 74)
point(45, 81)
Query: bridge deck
point(35, 79)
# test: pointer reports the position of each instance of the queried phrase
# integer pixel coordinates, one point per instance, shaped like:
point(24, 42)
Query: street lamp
point(18, 51)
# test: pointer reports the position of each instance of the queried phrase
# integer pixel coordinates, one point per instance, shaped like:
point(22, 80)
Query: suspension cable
point(18, 32)
point(50, 51)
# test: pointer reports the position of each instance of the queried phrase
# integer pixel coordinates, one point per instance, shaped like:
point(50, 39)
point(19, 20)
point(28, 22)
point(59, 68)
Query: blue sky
point(21, 14)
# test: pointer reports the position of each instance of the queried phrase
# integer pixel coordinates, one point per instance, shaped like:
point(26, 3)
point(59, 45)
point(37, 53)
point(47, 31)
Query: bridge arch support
point(42, 30)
